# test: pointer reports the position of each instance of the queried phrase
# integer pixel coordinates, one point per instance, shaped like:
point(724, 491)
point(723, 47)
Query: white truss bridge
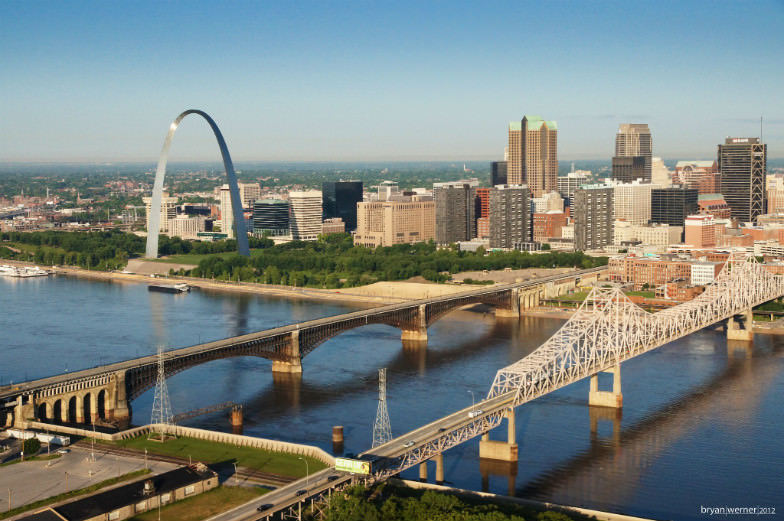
point(606, 330)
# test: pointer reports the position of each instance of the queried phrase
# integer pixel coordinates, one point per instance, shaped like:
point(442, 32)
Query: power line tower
point(161, 405)
point(382, 429)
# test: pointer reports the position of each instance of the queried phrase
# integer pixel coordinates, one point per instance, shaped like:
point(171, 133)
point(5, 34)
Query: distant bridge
point(104, 393)
point(607, 329)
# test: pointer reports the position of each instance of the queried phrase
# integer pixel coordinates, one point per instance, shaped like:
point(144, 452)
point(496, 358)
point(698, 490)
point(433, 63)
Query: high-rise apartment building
point(509, 216)
point(340, 200)
point(671, 205)
point(632, 202)
point(168, 211)
point(386, 223)
point(498, 173)
point(593, 217)
point(249, 194)
point(271, 217)
point(633, 140)
point(572, 181)
point(743, 164)
point(455, 211)
point(226, 214)
point(306, 212)
point(533, 155)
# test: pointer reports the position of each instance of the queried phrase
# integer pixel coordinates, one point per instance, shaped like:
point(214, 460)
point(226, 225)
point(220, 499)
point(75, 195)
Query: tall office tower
point(632, 202)
point(226, 213)
point(305, 215)
point(533, 155)
point(672, 205)
point(271, 216)
point(570, 182)
point(387, 190)
point(340, 200)
point(660, 174)
point(455, 211)
point(168, 211)
point(593, 217)
point(628, 169)
point(498, 173)
point(775, 193)
point(743, 164)
point(509, 216)
point(386, 223)
point(249, 194)
point(634, 140)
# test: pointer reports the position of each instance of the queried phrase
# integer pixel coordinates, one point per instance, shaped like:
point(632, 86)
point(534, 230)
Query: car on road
point(63, 451)
point(475, 413)
point(333, 477)
point(409, 443)
point(301, 492)
point(265, 506)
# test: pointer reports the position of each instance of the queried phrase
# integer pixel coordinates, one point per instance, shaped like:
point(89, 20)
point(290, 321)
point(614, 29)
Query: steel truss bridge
point(607, 330)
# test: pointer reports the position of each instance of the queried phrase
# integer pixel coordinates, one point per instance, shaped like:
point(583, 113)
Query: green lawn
point(645, 294)
point(204, 505)
point(211, 452)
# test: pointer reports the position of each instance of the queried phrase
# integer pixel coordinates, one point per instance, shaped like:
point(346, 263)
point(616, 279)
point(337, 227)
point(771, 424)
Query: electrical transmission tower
point(161, 405)
point(382, 429)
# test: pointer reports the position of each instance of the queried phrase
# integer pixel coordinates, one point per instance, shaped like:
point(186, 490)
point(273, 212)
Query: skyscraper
point(340, 200)
point(498, 173)
point(226, 211)
point(672, 205)
point(593, 217)
point(533, 155)
point(633, 140)
point(305, 215)
point(743, 164)
point(455, 211)
point(509, 216)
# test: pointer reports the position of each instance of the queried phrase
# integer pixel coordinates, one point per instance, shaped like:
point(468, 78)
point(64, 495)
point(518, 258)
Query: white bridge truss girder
point(609, 328)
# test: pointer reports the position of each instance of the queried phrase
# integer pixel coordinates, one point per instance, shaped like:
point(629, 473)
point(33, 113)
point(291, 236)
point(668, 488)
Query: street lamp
point(472, 399)
point(307, 473)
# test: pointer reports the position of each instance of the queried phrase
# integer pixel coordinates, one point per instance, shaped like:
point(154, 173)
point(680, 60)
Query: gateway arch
point(157, 190)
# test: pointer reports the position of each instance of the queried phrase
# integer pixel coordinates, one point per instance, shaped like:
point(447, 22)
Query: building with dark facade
point(509, 220)
point(743, 164)
point(628, 169)
point(673, 204)
point(271, 216)
point(498, 173)
point(340, 199)
point(594, 217)
point(455, 211)
point(634, 140)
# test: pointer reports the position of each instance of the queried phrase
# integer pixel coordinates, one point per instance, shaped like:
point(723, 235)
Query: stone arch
point(73, 403)
point(157, 191)
point(57, 411)
point(100, 405)
point(87, 408)
point(42, 411)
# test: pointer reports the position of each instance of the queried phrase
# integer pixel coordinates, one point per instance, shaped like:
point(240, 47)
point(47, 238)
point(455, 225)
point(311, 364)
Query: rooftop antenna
point(161, 405)
point(760, 128)
point(382, 428)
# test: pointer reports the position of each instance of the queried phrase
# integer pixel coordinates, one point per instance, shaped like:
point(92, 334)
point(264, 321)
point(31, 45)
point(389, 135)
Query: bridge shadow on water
point(610, 471)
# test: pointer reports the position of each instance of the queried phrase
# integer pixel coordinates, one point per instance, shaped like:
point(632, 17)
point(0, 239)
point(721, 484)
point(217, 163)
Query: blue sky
point(101, 81)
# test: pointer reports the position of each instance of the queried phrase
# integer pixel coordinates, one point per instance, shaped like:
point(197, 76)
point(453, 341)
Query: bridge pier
point(501, 450)
point(121, 409)
point(612, 398)
point(736, 331)
point(417, 333)
point(514, 310)
point(294, 362)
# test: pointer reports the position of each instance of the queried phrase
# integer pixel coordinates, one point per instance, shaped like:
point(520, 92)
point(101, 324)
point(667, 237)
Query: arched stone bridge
point(105, 393)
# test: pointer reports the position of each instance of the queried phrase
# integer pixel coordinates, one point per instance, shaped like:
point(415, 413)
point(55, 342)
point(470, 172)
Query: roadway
point(10, 392)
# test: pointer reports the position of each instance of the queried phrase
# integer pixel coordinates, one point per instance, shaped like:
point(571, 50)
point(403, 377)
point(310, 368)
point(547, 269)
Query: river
point(701, 425)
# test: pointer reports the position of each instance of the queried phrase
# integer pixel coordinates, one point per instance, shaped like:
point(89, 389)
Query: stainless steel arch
point(157, 190)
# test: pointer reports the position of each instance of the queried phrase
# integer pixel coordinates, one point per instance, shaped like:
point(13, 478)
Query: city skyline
point(92, 81)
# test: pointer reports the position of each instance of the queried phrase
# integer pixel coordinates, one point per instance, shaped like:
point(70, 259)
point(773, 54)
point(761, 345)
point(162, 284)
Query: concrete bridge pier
point(417, 332)
point(121, 412)
point(741, 331)
point(293, 363)
point(612, 398)
point(439, 459)
point(501, 450)
point(514, 310)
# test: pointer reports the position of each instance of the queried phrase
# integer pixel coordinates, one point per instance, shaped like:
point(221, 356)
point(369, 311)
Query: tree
point(31, 446)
